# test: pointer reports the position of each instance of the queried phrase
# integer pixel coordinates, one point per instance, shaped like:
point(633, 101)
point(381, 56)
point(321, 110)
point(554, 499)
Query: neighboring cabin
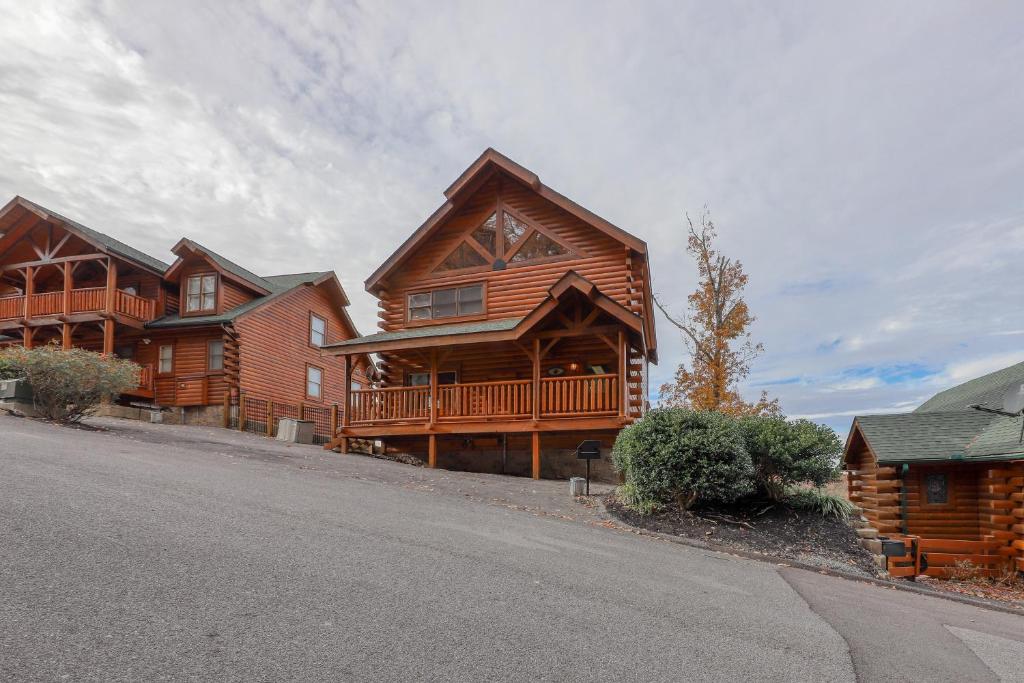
point(527, 316)
point(951, 472)
point(202, 328)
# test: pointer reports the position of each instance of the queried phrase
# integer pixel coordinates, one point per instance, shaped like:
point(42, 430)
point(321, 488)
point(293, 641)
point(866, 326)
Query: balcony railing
point(84, 300)
point(560, 397)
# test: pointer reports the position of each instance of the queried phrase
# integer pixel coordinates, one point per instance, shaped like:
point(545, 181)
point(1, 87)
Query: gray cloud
point(863, 160)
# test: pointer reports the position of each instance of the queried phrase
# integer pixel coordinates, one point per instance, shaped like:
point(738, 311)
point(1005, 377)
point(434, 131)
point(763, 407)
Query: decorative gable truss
point(504, 238)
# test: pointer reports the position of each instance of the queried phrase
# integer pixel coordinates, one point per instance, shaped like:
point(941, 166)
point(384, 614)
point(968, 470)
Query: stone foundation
point(205, 416)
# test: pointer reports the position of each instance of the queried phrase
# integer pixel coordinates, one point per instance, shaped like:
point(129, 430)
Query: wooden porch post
point(623, 384)
point(432, 451)
point(227, 409)
point(27, 337)
point(346, 392)
point(433, 387)
point(536, 379)
point(65, 336)
point(108, 336)
point(67, 290)
point(30, 286)
point(111, 284)
point(536, 455)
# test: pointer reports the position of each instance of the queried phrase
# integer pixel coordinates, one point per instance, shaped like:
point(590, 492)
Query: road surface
point(160, 552)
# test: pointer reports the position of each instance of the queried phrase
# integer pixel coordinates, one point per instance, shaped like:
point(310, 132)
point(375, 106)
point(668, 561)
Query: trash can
point(577, 486)
point(294, 431)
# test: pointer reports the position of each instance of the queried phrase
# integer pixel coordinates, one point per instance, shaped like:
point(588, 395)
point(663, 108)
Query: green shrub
point(682, 457)
point(786, 453)
point(9, 368)
point(68, 385)
point(816, 500)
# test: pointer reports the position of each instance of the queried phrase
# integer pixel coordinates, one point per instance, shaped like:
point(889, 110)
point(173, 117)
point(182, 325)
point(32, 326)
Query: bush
point(787, 453)
point(68, 385)
point(9, 368)
point(682, 457)
point(816, 500)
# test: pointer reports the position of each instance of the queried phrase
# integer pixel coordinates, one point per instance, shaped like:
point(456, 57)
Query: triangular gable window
point(487, 234)
point(464, 256)
point(538, 245)
point(513, 230)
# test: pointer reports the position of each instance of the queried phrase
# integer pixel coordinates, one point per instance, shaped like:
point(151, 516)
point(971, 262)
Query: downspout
point(901, 473)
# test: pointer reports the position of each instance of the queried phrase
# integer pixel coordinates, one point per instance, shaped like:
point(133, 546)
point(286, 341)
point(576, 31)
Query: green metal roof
point(232, 267)
point(987, 390)
point(116, 246)
point(499, 325)
point(277, 284)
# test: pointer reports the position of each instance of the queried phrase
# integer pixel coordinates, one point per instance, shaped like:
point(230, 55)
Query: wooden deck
point(85, 300)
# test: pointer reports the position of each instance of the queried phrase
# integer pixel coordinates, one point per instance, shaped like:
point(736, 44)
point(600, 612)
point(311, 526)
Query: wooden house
point(204, 330)
point(514, 323)
point(946, 479)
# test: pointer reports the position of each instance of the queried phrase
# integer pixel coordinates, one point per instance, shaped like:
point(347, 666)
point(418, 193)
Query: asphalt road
point(158, 553)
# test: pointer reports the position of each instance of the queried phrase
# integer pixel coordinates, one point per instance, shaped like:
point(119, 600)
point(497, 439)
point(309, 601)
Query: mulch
point(762, 527)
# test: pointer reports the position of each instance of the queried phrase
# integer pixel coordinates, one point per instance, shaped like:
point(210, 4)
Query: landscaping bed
point(761, 527)
point(1008, 591)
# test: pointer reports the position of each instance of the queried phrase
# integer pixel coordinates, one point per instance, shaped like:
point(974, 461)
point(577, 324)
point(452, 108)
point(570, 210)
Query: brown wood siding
point(516, 290)
point(233, 296)
point(274, 348)
point(190, 383)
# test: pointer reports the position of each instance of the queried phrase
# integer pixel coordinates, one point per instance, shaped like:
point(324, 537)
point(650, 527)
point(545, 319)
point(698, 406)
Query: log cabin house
point(947, 479)
point(204, 330)
point(514, 323)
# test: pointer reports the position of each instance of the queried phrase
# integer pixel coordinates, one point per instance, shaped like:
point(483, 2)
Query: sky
point(864, 161)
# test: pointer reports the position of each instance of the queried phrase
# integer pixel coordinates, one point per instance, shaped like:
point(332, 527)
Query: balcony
point(85, 300)
point(145, 387)
point(555, 398)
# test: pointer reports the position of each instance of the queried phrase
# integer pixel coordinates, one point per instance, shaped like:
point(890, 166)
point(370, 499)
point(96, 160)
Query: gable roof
point(186, 247)
point(470, 179)
point(947, 426)
point(987, 390)
point(102, 241)
point(278, 285)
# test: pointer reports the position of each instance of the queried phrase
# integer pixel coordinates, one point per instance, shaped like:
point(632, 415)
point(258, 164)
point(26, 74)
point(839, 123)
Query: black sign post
point(588, 450)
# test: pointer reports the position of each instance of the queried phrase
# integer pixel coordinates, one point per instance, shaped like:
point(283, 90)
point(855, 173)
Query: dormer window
point(201, 293)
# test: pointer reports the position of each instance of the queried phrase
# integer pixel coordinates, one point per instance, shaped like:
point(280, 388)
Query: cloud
point(866, 175)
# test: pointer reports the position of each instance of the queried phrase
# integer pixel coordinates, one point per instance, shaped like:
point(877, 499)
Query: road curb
point(783, 562)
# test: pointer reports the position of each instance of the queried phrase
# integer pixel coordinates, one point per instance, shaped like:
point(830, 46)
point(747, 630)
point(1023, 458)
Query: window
point(355, 386)
point(215, 355)
point(446, 303)
point(131, 289)
point(317, 330)
point(166, 362)
point(936, 489)
point(537, 246)
point(464, 256)
point(314, 382)
point(422, 379)
point(201, 293)
point(500, 240)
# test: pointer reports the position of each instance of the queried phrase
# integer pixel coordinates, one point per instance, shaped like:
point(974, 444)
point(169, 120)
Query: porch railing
point(12, 306)
point(587, 395)
point(134, 306)
point(390, 405)
point(513, 398)
point(88, 299)
point(47, 303)
point(560, 397)
point(84, 300)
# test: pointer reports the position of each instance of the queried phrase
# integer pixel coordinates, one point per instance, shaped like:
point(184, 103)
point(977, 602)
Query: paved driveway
point(160, 552)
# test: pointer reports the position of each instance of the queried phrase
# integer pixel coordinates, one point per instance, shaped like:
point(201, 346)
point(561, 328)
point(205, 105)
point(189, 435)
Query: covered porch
point(576, 364)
